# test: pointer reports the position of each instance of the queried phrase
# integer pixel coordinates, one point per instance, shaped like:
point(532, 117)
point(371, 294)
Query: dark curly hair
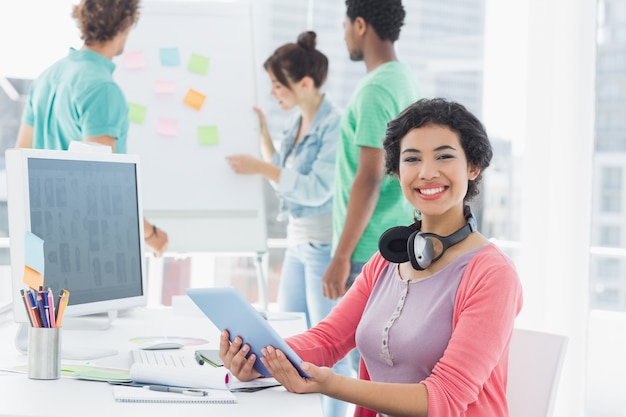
point(102, 20)
point(385, 16)
point(440, 112)
point(294, 61)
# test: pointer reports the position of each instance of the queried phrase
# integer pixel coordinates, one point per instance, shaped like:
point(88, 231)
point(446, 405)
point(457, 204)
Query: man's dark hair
point(385, 16)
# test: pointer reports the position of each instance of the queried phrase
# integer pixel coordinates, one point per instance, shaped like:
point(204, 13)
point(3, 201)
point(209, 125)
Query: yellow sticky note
point(137, 113)
point(32, 278)
point(194, 99)
point(207, 135)
point(198, 64)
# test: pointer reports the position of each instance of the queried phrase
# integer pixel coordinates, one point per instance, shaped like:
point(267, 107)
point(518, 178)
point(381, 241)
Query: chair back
point(535, 361)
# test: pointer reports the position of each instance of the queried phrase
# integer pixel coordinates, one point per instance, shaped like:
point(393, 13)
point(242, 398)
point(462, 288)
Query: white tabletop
point(68, 397)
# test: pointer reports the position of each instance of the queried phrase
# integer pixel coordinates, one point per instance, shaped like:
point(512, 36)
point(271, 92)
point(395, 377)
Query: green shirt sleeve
point(375, 107)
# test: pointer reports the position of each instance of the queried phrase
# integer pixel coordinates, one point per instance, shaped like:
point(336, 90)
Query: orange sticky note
point(194, 99)
point(32, 278)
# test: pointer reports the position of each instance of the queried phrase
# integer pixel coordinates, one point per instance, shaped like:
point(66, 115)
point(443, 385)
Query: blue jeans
point(300, 290)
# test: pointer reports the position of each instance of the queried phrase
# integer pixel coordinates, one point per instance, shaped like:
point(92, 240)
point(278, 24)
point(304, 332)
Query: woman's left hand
point(279, 366)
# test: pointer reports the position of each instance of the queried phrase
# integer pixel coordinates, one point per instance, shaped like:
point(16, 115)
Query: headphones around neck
point(406, 243)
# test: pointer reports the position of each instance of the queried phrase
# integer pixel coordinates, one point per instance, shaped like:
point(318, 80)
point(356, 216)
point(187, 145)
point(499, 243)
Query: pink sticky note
point(164, 87)
point(167, 127)
point(134, 60)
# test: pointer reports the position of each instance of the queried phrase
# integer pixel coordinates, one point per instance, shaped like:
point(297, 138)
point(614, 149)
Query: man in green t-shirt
point(366, 202)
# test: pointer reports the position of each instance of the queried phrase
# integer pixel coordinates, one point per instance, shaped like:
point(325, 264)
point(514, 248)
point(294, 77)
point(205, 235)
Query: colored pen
point(42, 309)
point(51, 312)
point(63, 300)
point(184, 391)
point(34, 308)
point(29, 310)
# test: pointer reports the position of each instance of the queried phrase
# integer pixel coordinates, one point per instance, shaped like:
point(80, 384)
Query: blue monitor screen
point(86, 213)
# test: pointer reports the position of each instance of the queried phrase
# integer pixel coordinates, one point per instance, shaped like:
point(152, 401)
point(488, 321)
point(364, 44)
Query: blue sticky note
point(33, 253)
point(170, 57)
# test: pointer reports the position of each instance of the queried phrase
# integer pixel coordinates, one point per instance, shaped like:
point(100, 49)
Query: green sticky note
point(198, 64)
point(207, 135)
point(137, 113)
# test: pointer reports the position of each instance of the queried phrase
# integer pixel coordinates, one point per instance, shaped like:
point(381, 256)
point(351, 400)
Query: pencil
point(51, 309)
point(63, 300)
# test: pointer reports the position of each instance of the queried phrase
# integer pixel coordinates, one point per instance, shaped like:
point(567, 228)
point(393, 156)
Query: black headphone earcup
point(392, 244)
point(420, 251)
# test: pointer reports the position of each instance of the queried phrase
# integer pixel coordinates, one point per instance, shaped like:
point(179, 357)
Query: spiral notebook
point(130, 394)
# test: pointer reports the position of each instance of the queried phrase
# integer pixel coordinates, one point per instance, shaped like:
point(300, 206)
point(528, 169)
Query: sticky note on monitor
point(34, 263)
point(32, 278)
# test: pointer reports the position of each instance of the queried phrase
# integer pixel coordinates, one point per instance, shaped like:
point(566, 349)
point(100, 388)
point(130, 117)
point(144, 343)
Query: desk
point(67, 397)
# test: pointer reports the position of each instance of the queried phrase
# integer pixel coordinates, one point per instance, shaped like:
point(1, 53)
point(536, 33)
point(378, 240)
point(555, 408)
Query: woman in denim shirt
point(302, 174)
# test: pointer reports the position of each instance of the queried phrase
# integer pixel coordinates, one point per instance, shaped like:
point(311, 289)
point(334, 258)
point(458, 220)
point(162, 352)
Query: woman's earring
point(417, 215)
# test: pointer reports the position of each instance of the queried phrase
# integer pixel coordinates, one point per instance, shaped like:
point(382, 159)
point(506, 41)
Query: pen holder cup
point(44, 353)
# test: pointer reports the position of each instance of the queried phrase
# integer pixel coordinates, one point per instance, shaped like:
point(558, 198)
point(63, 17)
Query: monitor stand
point(69, 351)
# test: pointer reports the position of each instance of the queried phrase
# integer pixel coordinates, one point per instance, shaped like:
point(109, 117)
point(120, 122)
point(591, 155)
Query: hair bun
point(307, 40)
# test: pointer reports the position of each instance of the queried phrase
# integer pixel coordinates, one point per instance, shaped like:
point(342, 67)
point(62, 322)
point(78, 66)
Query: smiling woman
point(416, 325)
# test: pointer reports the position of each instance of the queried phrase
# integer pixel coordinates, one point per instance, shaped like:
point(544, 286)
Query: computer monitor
point(86, 206)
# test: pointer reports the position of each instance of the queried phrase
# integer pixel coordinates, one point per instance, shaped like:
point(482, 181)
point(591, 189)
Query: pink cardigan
point(470, 378)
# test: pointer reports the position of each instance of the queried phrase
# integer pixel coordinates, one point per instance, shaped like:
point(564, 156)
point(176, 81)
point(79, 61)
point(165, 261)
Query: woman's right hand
point(234, 357)
point(262, 122)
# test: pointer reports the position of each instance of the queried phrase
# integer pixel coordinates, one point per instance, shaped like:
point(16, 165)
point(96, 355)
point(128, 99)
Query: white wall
point(34, 34)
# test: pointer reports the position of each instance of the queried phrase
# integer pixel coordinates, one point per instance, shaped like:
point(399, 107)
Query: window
point(610, 236)
point(611, 189)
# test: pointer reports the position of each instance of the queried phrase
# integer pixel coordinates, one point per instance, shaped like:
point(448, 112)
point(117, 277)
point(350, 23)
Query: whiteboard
point(188, 74)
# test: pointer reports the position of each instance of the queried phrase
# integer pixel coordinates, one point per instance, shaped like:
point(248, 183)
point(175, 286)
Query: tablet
point(229, 310)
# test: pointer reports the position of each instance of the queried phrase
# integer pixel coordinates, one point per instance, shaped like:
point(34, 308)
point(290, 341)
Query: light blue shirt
point(74, 99)
point(306, 186)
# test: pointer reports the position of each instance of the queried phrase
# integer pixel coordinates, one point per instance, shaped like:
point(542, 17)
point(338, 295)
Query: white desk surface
point(68, 397)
